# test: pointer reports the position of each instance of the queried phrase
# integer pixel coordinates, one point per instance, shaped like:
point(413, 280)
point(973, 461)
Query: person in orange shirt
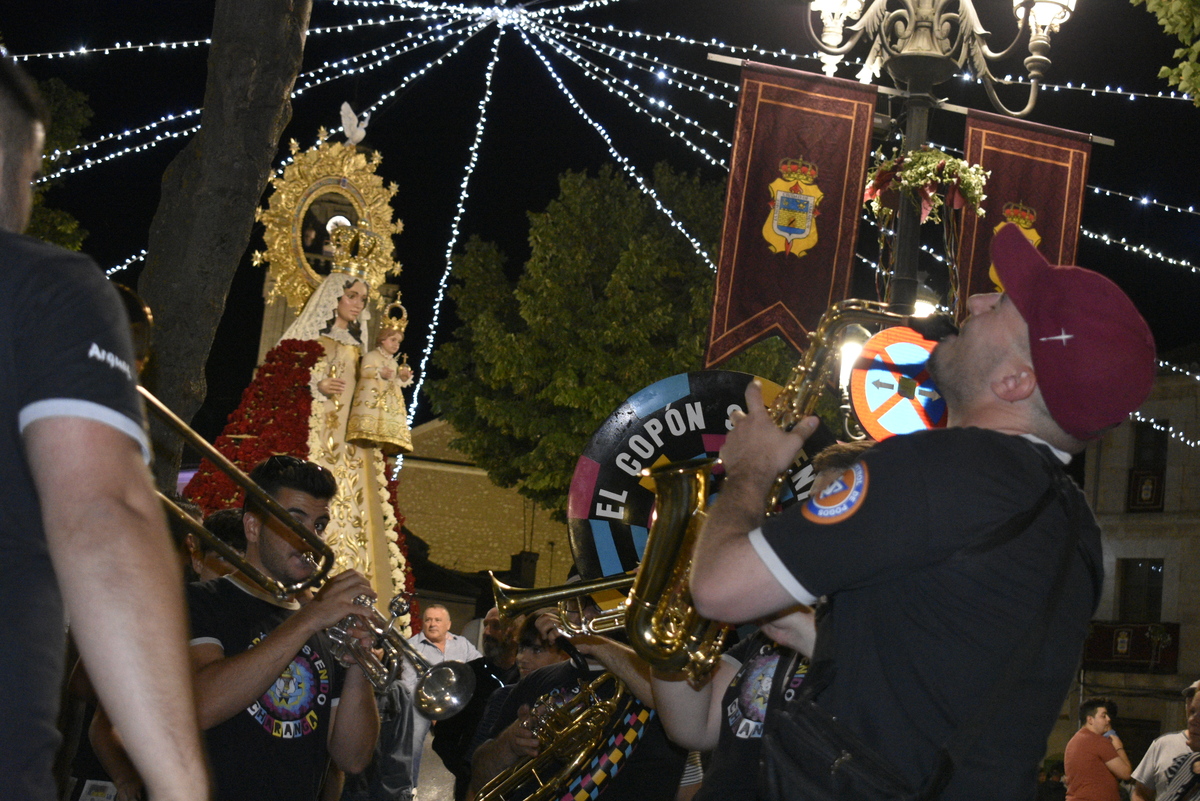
point(1095, 757)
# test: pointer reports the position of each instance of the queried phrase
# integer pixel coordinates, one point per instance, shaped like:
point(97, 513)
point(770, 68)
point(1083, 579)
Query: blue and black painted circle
point(682, 417)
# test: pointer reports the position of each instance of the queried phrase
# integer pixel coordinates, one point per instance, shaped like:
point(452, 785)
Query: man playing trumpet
point(274, 702)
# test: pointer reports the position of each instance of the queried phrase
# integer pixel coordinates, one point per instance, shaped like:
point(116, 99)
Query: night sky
point(533, 135)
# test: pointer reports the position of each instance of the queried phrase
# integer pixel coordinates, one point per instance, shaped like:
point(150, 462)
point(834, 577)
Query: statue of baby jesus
point(378, 417)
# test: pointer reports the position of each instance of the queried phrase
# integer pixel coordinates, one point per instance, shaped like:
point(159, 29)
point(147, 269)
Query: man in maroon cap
point(961, 566)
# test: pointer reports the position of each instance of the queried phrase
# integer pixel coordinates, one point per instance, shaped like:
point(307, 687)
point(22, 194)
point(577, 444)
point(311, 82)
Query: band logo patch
point(292, 707)
point(841, 499)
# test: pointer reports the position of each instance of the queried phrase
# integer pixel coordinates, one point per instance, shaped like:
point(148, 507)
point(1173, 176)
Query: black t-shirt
point(65, 352)
point(277, 747)
point(732, 771)
point(650, 773)
point(913, 640)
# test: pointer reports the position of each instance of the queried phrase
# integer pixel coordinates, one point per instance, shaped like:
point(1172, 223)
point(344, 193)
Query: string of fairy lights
point(1170, 430)
point(660, 68)
point(625, 164)
point(456, 226)
point(614, 84)
point(129, 262)
point(306, 81)
point(595, 51)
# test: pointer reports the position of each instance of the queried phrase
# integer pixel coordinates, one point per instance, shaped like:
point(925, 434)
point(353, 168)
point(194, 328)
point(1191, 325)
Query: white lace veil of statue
point(322, 307)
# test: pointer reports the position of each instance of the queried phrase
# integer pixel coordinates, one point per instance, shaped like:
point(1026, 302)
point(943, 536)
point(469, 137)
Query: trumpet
point(442, 689)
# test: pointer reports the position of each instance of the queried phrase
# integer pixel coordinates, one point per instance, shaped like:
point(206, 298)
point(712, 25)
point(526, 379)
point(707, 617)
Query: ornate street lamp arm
point(989, 85)
point(972, 33)
point(866, 25)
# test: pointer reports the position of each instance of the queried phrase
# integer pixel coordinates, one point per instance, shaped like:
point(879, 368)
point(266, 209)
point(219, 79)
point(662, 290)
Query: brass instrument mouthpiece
point(935, 327)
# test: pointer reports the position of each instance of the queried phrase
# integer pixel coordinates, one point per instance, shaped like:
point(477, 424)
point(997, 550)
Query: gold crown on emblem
point(352, 248)
point(798, 170)
point(1019, 213)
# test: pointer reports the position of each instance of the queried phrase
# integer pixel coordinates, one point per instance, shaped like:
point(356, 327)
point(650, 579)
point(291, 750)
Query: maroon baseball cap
point(1092, 352)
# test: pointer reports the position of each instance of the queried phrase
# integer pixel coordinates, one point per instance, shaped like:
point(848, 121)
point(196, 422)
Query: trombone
point(324, 559)
point(513, 601)
point(141, 322)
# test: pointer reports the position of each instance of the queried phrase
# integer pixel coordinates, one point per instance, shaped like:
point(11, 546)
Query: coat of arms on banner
point(1023, 217)
point(791, 226)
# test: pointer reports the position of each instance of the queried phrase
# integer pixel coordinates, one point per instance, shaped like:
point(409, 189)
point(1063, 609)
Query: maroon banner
point(1038, 175)
point(796, 178)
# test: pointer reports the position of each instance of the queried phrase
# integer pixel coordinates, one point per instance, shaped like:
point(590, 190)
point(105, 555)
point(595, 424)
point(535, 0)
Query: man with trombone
point(273, 699)
point(81, 530)
point(584, 728)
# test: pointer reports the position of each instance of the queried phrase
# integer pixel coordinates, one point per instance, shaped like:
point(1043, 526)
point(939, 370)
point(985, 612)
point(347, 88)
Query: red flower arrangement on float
point(410, 580)
point(272, 418)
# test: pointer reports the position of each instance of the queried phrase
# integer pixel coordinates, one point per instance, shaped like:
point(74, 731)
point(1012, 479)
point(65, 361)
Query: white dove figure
point(352, 127)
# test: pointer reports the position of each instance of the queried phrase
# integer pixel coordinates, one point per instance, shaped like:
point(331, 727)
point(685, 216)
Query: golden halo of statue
point(329, 181)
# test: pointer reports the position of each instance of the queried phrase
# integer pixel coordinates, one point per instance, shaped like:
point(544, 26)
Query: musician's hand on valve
point(336, 600)
point(520, 741)
point(757, 446)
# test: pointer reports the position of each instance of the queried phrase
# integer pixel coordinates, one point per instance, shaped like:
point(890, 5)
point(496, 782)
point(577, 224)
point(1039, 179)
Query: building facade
point(1143, 481)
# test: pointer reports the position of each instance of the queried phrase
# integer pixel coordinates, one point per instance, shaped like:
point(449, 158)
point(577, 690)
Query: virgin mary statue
point(316, 366)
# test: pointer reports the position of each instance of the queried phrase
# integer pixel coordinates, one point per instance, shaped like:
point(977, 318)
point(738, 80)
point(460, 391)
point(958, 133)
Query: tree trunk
point(209, 196)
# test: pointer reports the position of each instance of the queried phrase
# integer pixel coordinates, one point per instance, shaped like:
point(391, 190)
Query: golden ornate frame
point(327, 168)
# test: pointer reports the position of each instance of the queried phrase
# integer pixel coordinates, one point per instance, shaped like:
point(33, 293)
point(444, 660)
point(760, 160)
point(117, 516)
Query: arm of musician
point(795, 627)
point(514, 743)
point(725, 565)
point(354, 727)
point(227, 685)
point(106, 743)
point(121, 584)
point(621, 661)
point(692, 717)
point(1142, 793)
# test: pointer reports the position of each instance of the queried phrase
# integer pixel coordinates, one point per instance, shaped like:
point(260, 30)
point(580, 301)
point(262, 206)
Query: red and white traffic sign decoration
point(891, 391)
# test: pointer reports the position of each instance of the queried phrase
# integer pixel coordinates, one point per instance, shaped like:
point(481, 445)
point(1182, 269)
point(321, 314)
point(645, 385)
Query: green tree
point(611, 300)
point(69, 116)
point(1180, 18)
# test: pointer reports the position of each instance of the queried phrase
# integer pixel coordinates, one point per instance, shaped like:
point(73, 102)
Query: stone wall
point(469, 523)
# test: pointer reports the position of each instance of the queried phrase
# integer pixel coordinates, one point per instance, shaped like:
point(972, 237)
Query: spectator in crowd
point(435, 644)
point(1167, 754)
point(1095, 758)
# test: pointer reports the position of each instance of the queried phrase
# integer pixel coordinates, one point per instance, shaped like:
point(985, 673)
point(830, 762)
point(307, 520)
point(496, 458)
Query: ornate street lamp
point(922, 43)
